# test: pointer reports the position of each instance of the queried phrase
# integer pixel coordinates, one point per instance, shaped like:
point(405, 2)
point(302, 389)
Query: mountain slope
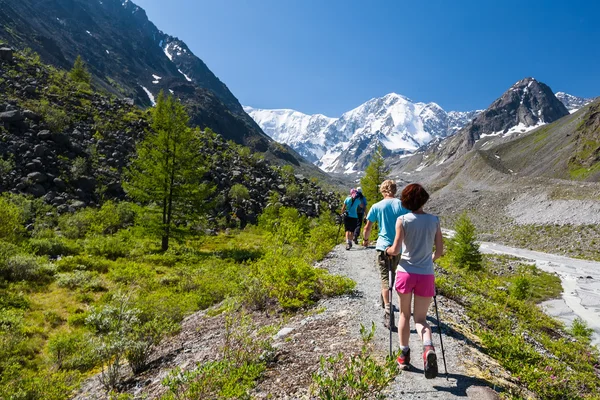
point(345, 144)
point(129, 56)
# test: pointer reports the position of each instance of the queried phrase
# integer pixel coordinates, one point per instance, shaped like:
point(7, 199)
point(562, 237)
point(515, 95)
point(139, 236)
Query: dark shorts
point(350, 224)
point(383, 268)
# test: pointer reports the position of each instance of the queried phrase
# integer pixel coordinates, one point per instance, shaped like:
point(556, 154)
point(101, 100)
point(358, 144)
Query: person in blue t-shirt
point(361, 213)
point(385, 213)
point(350, 207)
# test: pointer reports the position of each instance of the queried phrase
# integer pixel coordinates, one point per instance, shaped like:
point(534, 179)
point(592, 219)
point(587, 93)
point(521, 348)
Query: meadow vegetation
point(543, 356)
point(93, 291)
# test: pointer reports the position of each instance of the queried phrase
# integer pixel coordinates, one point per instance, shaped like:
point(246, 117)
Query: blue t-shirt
point(352, 207)
point(385, 213)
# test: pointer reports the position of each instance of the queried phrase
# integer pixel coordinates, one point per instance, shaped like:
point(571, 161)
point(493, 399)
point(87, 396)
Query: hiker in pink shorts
point(416, 234)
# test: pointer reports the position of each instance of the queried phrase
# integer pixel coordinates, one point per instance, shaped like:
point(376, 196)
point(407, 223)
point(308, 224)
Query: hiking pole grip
point(439, 324)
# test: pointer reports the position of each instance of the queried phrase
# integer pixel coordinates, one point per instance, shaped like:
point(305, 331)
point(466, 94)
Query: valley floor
point(332, 326)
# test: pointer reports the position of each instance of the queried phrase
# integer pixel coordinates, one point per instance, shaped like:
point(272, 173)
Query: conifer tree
point(463, 249)
point(375, 173)
point(79, 72)
point(168, 171)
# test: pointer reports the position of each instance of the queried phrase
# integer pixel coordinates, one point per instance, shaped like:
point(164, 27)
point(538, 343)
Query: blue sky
point(329, 56)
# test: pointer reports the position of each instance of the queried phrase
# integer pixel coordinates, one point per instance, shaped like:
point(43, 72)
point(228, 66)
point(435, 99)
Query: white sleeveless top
point(417, 246)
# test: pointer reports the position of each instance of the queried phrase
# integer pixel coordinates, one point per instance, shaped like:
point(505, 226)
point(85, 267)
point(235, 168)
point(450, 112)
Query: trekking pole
point(390, 286)
point(439, 324)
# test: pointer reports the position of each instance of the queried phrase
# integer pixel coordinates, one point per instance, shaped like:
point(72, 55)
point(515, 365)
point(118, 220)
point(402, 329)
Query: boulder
point(60, 184)
point(44, 135)
point(37, 190)
point(37, 177)
point(6, 54)
point(32, 115)
point(12, 116)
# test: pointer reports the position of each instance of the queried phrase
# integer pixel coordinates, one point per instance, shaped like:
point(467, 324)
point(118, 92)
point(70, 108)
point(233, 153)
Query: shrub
point(7, 250)
point(521, 288)
point(111, 247)
point(11, 221)
point(143, 340)
point(239, 193)
point(83, 262)
point(26, 268)
point(291, 281)
point(56, 118)
point(77, 225)
point(53, 247)
point(6, 166)
point(580, 330)
point(355, 378)
point(112, 217)
point(86, 280)
point(72, 351)
point(463, 249)
point(113, 324)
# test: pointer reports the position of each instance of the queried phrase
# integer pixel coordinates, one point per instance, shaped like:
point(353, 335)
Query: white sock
point(427, 343)
point(404, 349)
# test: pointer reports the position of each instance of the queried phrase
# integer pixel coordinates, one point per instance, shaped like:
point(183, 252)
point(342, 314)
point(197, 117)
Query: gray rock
point(32, 115)
point(12, 116)
point(77, 205)
point(44, 135)
point(37, 190)
point(6, 54)
point(39, 150)
point(37, 177)
point(60, 184)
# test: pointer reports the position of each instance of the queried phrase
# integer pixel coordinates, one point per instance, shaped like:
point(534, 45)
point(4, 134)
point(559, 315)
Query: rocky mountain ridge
point(573, 103)
point(526, 105)
point(130, 57)
point(70, 145)
point(345, 144)
point(400, 126)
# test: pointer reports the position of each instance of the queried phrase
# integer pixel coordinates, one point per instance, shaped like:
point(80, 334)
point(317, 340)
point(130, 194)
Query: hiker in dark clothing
point(361, 213)
point(350, 213)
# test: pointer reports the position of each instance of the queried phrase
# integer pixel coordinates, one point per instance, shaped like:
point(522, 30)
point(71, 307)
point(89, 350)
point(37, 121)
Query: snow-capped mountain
point(345, 144)
point(526, 105)
point(573, 103)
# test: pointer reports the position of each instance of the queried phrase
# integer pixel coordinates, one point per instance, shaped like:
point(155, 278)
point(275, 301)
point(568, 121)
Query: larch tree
point(168, 172)
point(79, 72)
point(375, 173)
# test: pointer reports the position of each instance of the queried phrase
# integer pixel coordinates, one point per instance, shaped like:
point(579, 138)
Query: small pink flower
point(548, 368)
point(552, 377)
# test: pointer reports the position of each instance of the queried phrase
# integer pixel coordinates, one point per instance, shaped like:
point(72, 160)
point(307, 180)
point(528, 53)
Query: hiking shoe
point(430, 362)
point(348, 246)
point(356, 241)
point(403, 360)
point(386, 321)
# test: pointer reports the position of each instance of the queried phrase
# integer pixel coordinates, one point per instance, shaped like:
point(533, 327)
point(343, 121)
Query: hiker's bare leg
point(420, 316)
point(404, 322)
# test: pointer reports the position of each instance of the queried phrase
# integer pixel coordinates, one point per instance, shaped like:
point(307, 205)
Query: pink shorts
point(420, 285)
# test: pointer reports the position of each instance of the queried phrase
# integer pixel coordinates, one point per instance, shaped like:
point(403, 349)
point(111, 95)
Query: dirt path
point(462, 356)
